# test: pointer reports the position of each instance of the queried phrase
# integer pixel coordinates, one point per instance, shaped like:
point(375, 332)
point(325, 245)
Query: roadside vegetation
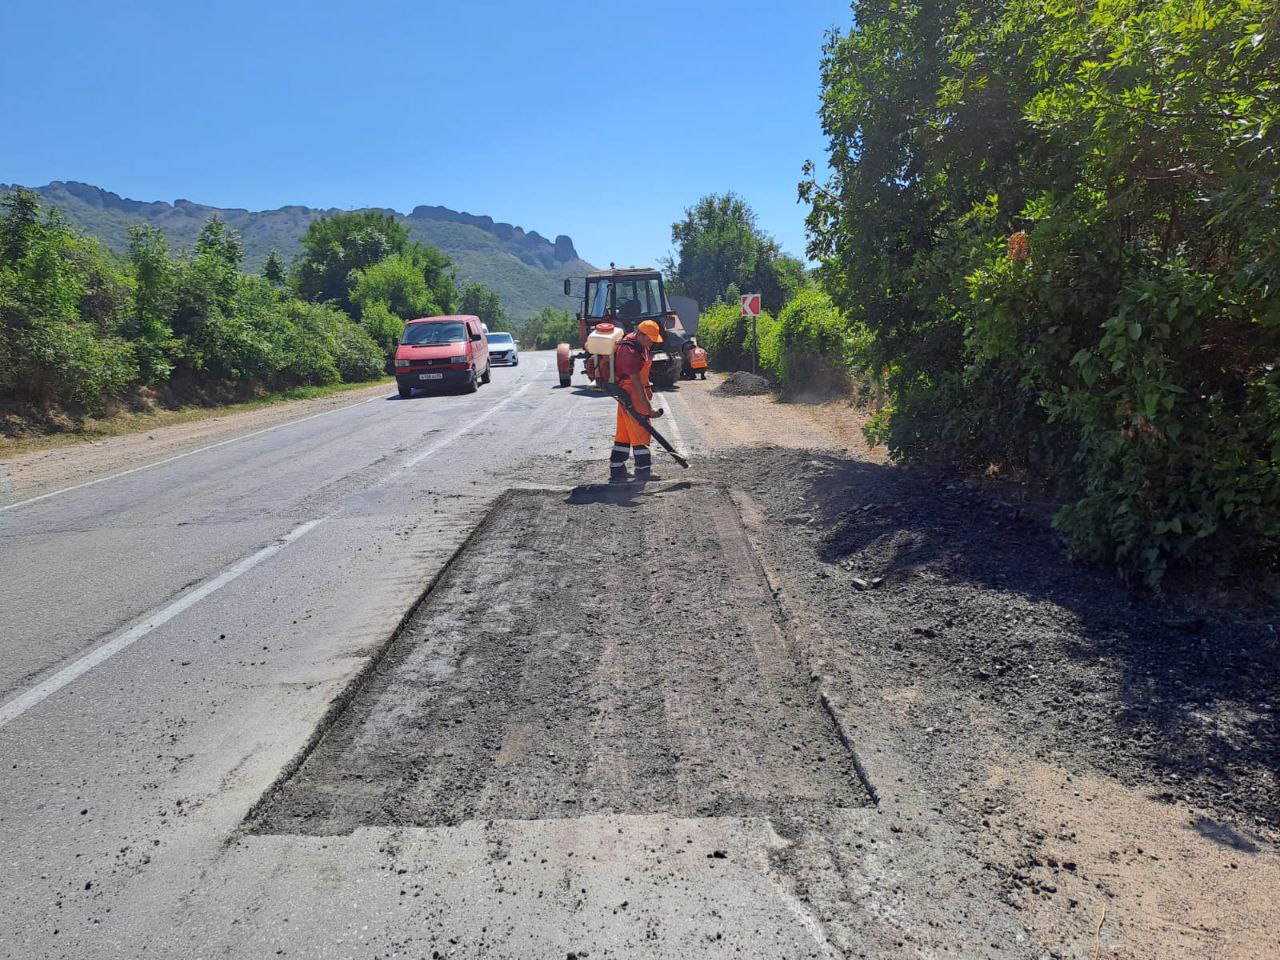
point(1050, 244)
point(547, 328)
point(806, 345)
point(84, 333)
point(1058, 221)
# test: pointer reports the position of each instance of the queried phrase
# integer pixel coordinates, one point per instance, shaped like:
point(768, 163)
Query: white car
point(503, 349)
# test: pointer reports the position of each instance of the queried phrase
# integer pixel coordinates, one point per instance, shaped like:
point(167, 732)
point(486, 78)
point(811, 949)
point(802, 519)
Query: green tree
point(149, 328)
point(398, 283)
point(547, 328)
point(419, 282)
point(479, 301)
point(719, 245)
point(273, 270)
point(333, 247)
point(19, 224)
point(214, 335)
point(1128, 359)
point(49, 352)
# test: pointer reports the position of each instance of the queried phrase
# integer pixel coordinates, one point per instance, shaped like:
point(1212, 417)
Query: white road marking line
point(463, 430)
point(46, 688)
point(180, 456)
point(212, 446)
point(676, 433)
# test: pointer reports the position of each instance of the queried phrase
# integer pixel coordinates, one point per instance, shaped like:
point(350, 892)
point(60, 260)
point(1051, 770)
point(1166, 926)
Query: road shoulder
point(36, 473)
point(1104, 763)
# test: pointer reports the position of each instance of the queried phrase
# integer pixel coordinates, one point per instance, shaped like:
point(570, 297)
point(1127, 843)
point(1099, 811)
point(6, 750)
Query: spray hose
point(623, 398)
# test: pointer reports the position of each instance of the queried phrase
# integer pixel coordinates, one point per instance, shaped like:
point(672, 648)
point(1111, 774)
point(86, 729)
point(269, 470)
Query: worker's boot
point(644, 465)
point(618, 463)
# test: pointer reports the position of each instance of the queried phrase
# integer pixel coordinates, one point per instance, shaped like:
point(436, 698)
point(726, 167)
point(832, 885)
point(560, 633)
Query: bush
point(341, 349)
point(48, 275)
point(1057, 220)
point(548, 328)
point(381, 325)
point(813, 346)
point(726, 335)
point(398, 285)
point(79, 328)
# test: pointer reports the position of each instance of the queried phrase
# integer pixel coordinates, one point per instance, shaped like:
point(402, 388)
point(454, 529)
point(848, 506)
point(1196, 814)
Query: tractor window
point(598, 297)
point(639, 299)
point(633, 299)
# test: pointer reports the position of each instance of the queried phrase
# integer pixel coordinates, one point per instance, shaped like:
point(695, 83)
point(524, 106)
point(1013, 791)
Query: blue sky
point(600, 120)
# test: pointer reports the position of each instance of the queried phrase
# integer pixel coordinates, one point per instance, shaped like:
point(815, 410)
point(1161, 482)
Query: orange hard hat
point(651, 330)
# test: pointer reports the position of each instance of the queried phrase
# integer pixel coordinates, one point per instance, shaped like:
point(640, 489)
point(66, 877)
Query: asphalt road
point(172, 638)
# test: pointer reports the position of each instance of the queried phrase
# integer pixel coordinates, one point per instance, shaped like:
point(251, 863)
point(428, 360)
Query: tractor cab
point(624, 298)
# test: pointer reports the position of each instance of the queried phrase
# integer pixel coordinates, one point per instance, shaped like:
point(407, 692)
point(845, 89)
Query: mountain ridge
point(524, 267)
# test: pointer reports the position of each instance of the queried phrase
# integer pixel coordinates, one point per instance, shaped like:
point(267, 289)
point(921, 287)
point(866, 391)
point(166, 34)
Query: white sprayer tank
point(603, 339)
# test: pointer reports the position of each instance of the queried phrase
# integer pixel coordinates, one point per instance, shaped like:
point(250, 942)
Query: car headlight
point(457, 359)
point(402, 363)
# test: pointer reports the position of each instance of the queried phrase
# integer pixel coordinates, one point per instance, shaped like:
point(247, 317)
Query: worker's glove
point(655, 415)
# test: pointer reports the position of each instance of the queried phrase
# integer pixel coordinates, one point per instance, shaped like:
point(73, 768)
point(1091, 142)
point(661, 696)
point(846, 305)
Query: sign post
point(751, 308)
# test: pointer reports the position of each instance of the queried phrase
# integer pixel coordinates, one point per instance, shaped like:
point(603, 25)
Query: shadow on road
point(622, 494)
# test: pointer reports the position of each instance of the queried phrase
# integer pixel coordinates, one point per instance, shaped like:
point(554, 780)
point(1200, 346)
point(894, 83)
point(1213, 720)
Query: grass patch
point(125, 423)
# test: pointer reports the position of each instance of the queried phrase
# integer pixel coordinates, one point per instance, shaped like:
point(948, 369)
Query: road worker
point(695, 360)
point(631, 368)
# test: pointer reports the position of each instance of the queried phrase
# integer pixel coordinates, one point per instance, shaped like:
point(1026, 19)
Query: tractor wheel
point(564, 364)
point(666, 376)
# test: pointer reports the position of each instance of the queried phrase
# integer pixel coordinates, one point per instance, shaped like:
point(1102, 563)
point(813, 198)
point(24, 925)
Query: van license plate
point(660, 356)
point(431, 376)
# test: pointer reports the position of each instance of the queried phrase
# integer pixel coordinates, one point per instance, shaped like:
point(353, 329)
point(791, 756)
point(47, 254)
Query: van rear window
point(426, 334)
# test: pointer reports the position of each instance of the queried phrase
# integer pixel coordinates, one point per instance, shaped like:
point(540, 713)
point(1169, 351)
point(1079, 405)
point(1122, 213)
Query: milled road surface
point(549, 677)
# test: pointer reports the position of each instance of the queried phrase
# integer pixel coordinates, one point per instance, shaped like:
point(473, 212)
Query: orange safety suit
point(631, 367)
point(631, 363)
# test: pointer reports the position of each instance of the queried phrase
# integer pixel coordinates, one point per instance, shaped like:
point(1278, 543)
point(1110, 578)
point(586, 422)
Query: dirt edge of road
point(145, 414)
point(34, 472)
point(1105, 768)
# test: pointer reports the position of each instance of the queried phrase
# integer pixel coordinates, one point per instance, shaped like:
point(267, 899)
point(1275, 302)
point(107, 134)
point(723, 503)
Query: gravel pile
point(743, 384)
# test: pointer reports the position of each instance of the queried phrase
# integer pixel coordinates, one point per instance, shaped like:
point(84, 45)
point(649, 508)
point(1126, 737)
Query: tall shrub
point(727, 337)
point(816, 346)
point(1124, 348)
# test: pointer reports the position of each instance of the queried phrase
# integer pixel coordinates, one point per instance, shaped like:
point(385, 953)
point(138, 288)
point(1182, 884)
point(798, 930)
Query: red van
point(442, 352)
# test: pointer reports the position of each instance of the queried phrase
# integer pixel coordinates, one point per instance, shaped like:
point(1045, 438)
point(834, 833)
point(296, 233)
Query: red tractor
point(624, 298)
